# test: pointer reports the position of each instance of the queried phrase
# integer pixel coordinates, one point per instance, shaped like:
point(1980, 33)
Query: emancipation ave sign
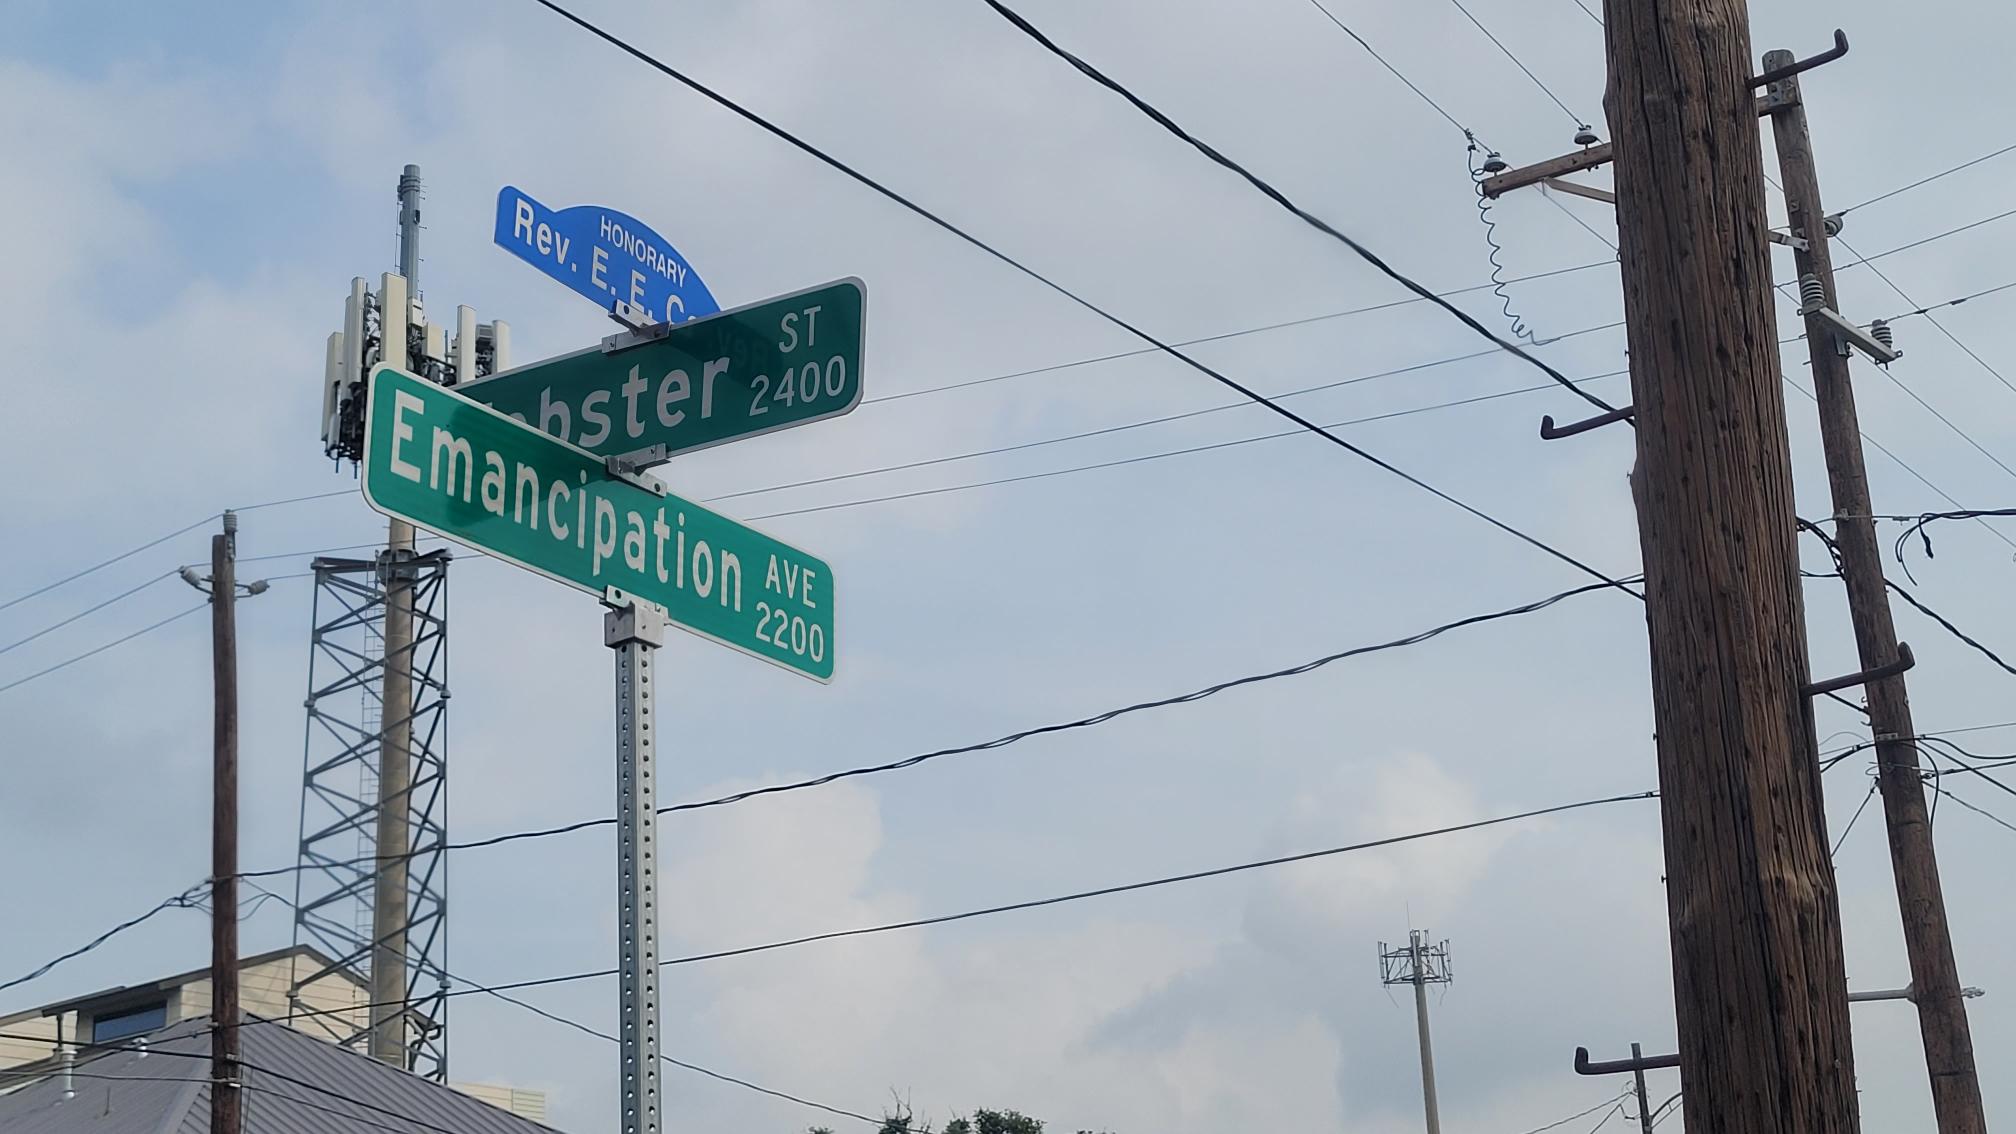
point(771, 365)
point(603, 254)
point(463, 470)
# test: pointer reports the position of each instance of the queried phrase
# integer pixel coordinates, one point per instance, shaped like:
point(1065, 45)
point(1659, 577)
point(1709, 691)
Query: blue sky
point(199, 191)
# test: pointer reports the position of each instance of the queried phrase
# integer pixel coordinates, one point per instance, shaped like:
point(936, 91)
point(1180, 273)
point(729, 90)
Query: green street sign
point(671, 389)
point(463, 470)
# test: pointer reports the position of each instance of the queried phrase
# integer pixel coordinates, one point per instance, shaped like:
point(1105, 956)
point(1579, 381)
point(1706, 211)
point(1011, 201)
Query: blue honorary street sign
point(603, 254)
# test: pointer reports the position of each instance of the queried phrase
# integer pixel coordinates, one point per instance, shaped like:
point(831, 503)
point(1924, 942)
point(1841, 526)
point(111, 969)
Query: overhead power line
point(1577, 119)
point(1223, 336)
point(1940, 789)
point(158, 540)
point(468, 987)
point(1059, 899)
point(1004, 741)
point(1374, 53)
point(863, 179)
point(54, 626)
point(1928, 180)
point(1221, 407)
point(1206, 447)
point(104, 563)
point(1611, 1101)
point(1152, 883)
point(96, 650)
point(1873, 785)
point(178, 900)
point(1271, 193)
point(500, 989)
point(1951, 302)
point(1951, 337)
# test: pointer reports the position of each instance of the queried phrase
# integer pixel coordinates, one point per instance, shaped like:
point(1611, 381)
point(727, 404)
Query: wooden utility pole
point(225, 1095)
point(1760, 990)
point(1935, 984)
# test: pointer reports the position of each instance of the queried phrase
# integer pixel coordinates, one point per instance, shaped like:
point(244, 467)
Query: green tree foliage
point(983, 1121)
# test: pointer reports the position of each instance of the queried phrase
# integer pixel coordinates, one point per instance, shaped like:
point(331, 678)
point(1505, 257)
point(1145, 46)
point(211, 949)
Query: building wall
point(519, 1101)
point(262, 991)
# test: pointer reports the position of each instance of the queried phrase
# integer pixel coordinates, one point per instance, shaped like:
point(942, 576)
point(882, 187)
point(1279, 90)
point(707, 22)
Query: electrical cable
point(1004, 741)
point(1161, 454)
point(1230, 383)
point(1943, 621)
point(499, 990)
point(96, 650)
point(1951, 302)
point(1219, 408)
point(1959, 754)
point(1612, 1101)
point(296, 500)
point(346, 1116)
point(1901, 463)
point(1483, 208)
point(1852, 819)
point(1861, 259)
point(1981, 772)
point(1580, 122)
point(757, 1087)
point(1373, 52)
point(1926, 180)
point(1107, 891)
point(1271, 193)
point(1223, 336)
point(1920, 521)
point(1939, 790)
point(1494, 250)
point(87, 610)
point(129, 553)
point(1549, 197)
point(1589, 13)
point(1614, 1112)
point(1012, 907)
point(182, 899)
point(1894, 380)
point(102, 564)
point(1834, 551)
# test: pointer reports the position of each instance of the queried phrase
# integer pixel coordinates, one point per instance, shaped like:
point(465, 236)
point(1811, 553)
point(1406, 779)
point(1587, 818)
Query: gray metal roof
point(166, 1091)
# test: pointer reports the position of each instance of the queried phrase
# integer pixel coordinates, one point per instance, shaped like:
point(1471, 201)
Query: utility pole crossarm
point(1587, 158)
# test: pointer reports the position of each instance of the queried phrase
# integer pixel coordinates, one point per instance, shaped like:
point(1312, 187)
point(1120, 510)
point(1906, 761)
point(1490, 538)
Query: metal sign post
point(634, 628)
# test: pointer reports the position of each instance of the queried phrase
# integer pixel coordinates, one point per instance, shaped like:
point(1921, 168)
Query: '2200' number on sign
point(806, 384)
point(790, 632)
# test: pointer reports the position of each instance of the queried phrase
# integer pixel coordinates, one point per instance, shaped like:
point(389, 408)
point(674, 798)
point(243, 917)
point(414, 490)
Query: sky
point(189, 195)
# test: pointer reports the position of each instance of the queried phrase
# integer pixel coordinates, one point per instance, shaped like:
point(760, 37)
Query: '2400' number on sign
point(806, 384)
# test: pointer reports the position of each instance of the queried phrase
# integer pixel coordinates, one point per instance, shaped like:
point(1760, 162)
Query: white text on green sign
point(466, 471)
point(772, 365)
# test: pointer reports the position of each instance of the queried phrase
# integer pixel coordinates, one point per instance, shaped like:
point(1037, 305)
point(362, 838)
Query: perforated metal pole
point(634, 630)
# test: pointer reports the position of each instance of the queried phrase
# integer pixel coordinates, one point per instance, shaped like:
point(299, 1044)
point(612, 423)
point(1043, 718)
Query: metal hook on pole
point(1551, 432)
point(1839, 49)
